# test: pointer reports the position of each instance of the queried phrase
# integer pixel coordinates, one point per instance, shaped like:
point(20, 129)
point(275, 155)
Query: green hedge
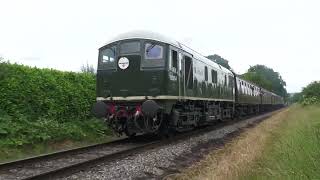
point(45, 93)
point(45, 104)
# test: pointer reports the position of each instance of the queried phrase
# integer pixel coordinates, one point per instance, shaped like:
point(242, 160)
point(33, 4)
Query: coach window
point(206, 73)
point(214, 76)
point(153, 55)
point(107, 58)
point(174, 59)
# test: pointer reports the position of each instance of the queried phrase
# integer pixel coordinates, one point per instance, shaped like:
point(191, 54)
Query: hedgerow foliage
point(45, 104)
point(311, 94)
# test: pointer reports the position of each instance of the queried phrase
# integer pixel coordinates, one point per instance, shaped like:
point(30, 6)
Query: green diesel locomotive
point(148, 83)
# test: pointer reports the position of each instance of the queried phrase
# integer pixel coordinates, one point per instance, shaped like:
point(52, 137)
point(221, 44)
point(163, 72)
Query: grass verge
point(285, 146)
point(293, 152)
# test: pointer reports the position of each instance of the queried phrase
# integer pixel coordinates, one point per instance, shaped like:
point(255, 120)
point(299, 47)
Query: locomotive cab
point(132, 68)
point(132, 80)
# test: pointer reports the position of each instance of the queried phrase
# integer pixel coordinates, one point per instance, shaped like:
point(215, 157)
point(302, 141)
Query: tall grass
point(293, 152)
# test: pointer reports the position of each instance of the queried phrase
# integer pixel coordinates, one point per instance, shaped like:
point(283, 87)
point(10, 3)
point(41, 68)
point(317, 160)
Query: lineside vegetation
point(293, 151)
point(46, 105)
point(309, 95)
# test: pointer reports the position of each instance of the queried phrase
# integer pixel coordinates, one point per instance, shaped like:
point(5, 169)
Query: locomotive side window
point(180, 61)
point(130, 47)
point(214, 76)
point(225, 80)
point(231, 81)
point(206, 73)
point(153, 51)
point(107, 57)
point(174, 59)
point(188, 72)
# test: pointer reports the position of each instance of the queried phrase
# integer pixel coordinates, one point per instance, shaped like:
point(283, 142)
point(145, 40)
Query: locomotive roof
point(159, 37)
point(145, 35)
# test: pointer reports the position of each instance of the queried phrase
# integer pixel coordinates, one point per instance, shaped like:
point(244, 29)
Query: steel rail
point(20, 162)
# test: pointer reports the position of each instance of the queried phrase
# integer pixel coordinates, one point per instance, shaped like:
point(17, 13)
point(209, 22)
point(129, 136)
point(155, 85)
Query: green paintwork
point(138, 81)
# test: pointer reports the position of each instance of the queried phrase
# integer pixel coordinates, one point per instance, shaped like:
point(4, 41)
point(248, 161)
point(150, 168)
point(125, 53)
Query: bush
point(44, 104)
point(45, 93)
point(311, 94)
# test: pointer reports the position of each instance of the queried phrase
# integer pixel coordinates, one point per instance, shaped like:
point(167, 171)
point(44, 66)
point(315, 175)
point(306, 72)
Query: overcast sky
point(64, 34)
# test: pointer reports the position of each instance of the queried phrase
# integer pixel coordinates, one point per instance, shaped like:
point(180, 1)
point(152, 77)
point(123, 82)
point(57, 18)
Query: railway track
point(64, 163)
point(44, 166)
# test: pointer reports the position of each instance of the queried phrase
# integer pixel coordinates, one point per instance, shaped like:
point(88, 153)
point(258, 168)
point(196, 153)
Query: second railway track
point(67, 162)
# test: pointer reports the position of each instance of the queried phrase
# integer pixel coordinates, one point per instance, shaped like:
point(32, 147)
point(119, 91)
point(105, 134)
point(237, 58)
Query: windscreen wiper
point(150, 47)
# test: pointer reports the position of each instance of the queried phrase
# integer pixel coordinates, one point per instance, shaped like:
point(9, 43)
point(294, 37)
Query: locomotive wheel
point(149, 124)
point(165, 130)
point(153, 124)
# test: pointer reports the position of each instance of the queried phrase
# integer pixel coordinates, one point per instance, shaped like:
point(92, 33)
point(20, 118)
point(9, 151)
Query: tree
point(312, 90)
point(219, 60)
point(257, 79)
point(86, 68)
point(267, 78)
point(3, 68)
point(295, 97)
point(311, 93)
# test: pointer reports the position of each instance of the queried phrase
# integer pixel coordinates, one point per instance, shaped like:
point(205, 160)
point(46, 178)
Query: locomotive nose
point(99, 109)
